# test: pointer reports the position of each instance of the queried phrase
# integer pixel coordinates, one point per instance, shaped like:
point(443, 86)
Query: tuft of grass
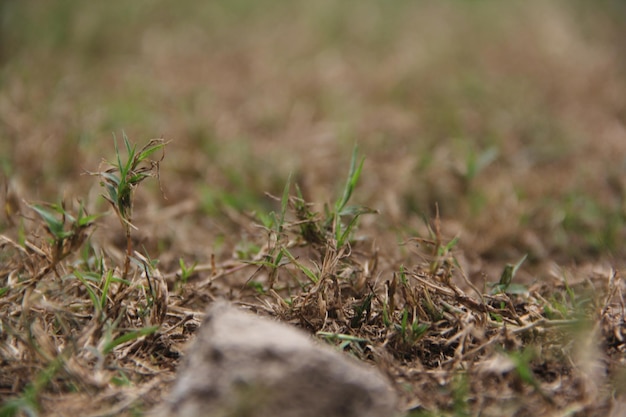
point(342, 230)
point(92, 310)
point(67, 232)
point(98, 295)
point(123, 177)
point(186, 271)
point(505, 285)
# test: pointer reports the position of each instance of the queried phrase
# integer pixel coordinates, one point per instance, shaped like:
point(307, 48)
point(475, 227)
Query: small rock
point(244, 365)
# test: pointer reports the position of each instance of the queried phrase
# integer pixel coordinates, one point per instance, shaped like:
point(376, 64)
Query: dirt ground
point(476, 258)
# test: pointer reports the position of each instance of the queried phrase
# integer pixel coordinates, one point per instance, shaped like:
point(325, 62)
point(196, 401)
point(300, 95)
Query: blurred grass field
point(508, 119)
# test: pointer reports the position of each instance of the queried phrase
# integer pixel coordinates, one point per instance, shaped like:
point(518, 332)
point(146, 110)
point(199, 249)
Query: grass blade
point(132, 335)
point(92, 295)
point(353, 178)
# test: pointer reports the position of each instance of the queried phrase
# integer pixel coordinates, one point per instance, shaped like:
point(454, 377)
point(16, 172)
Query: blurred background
point(508, 116)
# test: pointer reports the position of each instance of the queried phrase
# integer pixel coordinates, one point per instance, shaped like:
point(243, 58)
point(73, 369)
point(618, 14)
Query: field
point(437, 188)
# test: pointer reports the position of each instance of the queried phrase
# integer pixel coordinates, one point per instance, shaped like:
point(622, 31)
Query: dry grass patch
point(491, 132)
point(86, 321)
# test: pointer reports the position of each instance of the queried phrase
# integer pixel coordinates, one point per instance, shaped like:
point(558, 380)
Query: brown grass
point(500, 126)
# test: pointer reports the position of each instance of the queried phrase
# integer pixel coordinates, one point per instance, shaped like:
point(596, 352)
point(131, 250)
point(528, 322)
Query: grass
point(469, 247)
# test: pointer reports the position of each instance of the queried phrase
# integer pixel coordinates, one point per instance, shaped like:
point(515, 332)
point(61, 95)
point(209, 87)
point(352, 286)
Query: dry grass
point(489, 132)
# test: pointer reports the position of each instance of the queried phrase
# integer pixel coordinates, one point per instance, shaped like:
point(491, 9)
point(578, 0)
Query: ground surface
point(490, 132)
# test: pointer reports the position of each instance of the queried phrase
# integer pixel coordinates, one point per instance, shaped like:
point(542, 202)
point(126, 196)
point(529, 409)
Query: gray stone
point(244, 365)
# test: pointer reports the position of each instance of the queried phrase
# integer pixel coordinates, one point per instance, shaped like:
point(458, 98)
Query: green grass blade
point(353, 178)
point(519, 263)
point(55, 226)
point(283, 203)
point(13, 407)
point(405, 320)
point(303, 268)
point(343, 235)
point(92, 295)
point(111, 177)
point(105, 289)
point(117, 152)
point(341, 336)
point(446, 249)
point(130, 151)
point(149, 151)
point(132, 335)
